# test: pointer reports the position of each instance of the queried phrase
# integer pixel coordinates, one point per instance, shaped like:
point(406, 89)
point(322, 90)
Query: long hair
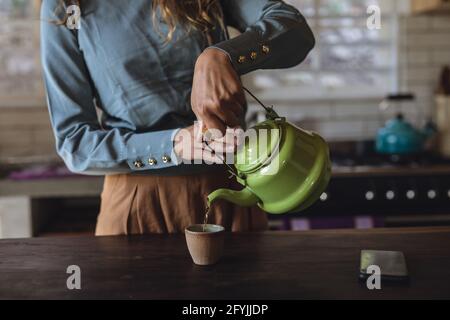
point(201, 15)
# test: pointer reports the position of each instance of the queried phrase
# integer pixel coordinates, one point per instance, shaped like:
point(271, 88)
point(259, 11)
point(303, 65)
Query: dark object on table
point(391, 264)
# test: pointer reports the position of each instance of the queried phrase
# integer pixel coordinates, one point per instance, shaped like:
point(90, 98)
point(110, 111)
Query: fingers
point(205, 154)
point(218, 121)
point(228, 110)
point(228, 118)
point(220, 113)
point(235, 107)
point(240, 97)
point(216, 151)
point(211, 151)
point(222, 148)
point(214, 124)
point(210, 157)
point(226, 144)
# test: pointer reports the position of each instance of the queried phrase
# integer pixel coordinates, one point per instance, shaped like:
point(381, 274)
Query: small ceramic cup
point(205, 245)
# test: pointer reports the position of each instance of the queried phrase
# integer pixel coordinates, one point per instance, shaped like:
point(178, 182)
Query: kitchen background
point(338, 92)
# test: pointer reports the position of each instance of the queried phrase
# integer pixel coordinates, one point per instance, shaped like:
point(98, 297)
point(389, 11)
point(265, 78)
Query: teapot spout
point(244, 198)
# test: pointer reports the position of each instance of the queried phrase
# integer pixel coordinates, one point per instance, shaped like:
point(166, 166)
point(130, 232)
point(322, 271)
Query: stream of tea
point(205, 219)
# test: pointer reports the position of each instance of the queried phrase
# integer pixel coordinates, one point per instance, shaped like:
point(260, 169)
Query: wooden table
point(282, 265)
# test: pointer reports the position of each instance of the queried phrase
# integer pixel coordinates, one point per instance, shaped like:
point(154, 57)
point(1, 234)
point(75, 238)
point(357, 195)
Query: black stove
point(372, 186)
point(363, 154)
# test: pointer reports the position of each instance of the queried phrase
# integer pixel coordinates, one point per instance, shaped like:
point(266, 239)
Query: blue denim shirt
point(119, 63)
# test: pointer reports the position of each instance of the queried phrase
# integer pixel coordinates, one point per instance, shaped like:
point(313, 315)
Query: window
point(20, 77)
point(349, 60)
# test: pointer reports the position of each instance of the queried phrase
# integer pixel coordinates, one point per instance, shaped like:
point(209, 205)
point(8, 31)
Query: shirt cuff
point(247, 52)
point(152, 150)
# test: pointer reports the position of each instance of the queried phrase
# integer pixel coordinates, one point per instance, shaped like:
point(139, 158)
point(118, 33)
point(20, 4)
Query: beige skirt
point(140, 204)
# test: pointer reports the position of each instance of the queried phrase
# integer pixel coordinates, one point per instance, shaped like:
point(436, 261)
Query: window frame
point(348, 92)
point(38, 98)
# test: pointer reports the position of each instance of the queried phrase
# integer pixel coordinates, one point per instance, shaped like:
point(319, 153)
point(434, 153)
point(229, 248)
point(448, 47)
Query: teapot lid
point(260, 143)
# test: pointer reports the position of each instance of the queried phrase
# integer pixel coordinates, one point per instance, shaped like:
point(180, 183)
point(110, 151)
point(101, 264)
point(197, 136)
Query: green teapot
point(283, 168)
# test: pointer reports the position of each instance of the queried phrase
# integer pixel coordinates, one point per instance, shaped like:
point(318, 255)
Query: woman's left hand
point(217, 96)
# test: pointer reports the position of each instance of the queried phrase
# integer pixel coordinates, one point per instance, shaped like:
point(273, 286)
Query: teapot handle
point(271, 114)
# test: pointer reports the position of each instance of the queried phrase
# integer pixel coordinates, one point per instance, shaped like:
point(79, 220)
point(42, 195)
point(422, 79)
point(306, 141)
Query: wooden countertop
point(270, 265)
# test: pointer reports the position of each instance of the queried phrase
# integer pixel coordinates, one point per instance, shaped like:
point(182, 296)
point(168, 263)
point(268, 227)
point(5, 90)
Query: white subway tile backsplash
point(15, 138)
point(340, 130)
point(421, 75)
point(421, 90)
point(371, 127)
point(427, 40)
point(417, 23)
point(43, 136)
point(23, 117)
point(440, 57)
point(299, 112)
point(360, 110)
point(440, 23)
point(416, 58)
point(25, 131)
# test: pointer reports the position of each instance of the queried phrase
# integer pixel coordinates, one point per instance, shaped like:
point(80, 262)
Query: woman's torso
point(141, 82)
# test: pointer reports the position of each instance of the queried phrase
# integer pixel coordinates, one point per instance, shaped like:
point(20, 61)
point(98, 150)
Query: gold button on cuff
point(241, 59)
point(166, 159)
point(138, 164)
point(265, 49)
point(152, 161)
point(253, 55)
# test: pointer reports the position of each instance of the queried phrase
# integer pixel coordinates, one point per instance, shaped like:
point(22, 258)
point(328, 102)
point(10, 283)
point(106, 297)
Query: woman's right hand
point(217, 96)
point(193, 143)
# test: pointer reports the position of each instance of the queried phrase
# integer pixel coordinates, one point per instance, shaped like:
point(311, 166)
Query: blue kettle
point(399, 137)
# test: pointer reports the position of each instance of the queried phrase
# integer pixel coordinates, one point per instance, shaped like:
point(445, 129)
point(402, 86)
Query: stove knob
point(390, 195)
point(431, 194)
point(410, 194)
point(324, 197)
point(370, 195)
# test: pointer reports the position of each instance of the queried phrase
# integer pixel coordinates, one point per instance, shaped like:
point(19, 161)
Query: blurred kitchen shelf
point(57, 187)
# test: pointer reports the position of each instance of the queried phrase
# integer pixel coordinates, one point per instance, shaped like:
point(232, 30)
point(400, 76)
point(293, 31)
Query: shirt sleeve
point(274, 35)
point(80, 140)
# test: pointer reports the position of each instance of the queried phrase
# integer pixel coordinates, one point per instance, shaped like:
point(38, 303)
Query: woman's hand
point(217, 97)
point(189, 144)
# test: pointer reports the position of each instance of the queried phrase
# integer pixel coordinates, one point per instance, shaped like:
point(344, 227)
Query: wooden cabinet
point(430, 6)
